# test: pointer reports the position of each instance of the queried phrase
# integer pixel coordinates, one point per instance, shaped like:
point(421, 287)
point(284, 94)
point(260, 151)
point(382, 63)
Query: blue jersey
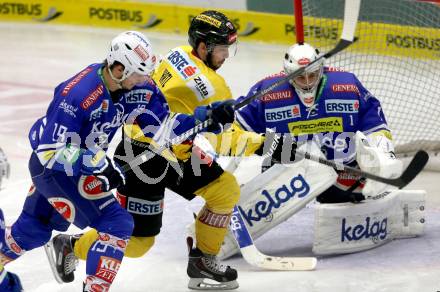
point(342, 107)
point(84, 113)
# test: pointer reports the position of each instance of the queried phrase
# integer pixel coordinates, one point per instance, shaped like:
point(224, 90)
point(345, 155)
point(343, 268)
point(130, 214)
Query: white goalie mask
point(133, 50)
point(306, 85)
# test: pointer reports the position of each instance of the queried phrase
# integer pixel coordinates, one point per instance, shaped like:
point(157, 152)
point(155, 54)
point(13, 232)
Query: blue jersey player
point(71, 173)
point(325, 105)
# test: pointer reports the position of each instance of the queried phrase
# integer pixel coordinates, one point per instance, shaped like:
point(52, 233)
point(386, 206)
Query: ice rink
point(35, 58)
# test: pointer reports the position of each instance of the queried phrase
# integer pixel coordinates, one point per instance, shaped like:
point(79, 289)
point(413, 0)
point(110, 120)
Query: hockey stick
point(415, 166)
point(412, 170)
point(150, 153)
point(250, 252)
point(340, 46)
point(254, 257)
point(351, 13)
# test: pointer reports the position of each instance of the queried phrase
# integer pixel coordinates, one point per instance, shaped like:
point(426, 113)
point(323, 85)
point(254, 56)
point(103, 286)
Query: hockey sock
point(104, 258)
point(211, 225)
point(211, 229)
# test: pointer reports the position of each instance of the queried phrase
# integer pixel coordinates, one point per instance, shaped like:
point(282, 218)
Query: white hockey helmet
point(297, 56)
point(133, 50)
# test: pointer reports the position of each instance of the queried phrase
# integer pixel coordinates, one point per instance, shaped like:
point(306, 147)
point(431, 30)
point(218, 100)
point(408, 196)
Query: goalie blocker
point(274, 196)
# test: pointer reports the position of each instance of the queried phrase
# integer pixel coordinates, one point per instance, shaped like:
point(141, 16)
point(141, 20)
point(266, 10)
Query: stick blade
point(256, 258)
point(414, 168)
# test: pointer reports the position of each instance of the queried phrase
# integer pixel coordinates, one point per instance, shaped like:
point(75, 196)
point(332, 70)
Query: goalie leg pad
point(347, 228)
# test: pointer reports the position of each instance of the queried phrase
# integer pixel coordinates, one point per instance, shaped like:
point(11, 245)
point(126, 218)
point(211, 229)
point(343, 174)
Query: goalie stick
point(415, 166)
point(254, 257)
point(250, 252)
point(412, 170)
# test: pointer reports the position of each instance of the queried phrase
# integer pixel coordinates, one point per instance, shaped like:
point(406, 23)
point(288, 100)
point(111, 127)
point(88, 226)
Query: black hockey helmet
point(213, 28)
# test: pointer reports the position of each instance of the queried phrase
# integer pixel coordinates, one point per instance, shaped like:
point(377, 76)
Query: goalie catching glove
point(98, 164)
point(374, 154)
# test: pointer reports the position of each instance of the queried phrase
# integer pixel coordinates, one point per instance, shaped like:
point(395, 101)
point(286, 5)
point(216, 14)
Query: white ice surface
point(35, 58)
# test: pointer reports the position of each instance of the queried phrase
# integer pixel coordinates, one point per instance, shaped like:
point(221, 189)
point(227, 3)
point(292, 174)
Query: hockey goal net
point(397, 58)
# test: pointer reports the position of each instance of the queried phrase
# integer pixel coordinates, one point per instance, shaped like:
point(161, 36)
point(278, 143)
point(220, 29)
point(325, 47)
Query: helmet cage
point(306, 84)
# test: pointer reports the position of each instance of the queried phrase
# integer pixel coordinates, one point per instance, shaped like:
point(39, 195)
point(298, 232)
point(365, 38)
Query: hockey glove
point(98, 164)
point(372, 156)
point(277, 149)
point(221, 113)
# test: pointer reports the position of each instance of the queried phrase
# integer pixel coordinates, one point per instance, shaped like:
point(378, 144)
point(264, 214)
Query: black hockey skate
point(206, 273)
point(62, 259)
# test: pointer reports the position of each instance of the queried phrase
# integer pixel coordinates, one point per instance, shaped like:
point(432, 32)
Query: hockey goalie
point(329, 113)
point(272, 197)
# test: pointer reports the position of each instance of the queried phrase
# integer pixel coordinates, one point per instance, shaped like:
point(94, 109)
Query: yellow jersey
point(187, 82)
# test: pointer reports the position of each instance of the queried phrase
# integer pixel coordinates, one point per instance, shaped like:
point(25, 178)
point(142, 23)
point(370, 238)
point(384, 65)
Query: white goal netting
point(397, 58)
